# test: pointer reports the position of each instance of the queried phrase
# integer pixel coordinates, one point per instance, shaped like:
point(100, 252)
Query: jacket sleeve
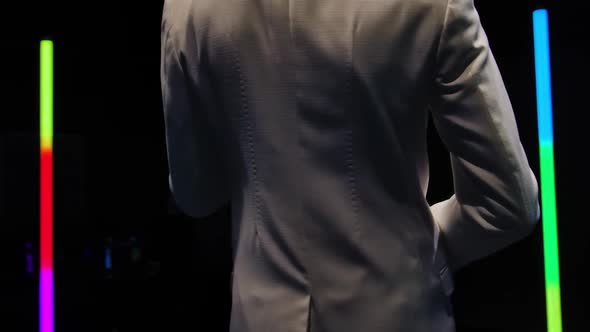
point(495, 201)
point(197, 178)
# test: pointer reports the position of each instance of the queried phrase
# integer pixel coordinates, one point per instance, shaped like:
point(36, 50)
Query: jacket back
point(310, 116)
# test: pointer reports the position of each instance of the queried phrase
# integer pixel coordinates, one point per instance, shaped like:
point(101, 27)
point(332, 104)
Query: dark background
point(171, 272)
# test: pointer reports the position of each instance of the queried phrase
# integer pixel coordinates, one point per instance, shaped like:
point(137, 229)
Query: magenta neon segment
point(46, 309)
point(46, 300)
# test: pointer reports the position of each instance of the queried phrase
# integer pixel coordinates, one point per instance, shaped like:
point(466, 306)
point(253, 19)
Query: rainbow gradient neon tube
point(548, 201)
point(46, 323)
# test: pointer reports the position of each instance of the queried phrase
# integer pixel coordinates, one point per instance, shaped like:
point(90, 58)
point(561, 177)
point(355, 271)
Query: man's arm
point(496, 193)
point(197, 178)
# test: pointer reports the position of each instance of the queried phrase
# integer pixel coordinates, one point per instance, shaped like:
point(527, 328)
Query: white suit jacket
point(310, 117)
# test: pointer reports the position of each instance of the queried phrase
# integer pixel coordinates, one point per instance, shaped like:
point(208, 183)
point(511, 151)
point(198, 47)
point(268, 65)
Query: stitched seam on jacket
point(251, 161)
point(350, 145)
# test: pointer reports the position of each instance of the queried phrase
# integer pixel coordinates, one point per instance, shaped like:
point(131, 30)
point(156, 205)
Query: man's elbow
point(197, 203)
point(527, 216)
point(199, 207)
point(531, 210)
point(530, 218)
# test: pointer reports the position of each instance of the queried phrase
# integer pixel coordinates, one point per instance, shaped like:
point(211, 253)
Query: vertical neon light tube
point(46, 322)
point(548, 201)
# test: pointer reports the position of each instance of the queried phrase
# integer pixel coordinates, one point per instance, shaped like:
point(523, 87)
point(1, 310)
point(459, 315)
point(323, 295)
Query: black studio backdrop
point(168, 271)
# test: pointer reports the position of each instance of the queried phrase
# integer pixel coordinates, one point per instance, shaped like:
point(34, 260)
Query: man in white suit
point(310, 116)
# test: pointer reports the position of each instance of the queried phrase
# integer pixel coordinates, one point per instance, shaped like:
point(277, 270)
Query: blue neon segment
point(107, 259)
point(543, 72)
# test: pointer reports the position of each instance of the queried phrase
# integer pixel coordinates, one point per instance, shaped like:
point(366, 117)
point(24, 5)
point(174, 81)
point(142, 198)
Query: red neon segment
point(46, 209)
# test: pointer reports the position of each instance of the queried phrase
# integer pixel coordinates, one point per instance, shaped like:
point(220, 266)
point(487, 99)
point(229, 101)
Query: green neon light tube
point(548, 200)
